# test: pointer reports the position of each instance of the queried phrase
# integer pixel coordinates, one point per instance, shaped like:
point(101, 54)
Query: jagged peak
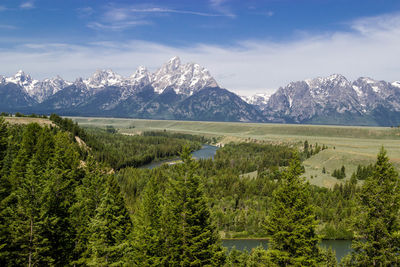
point(172, 65)
point(140, 72)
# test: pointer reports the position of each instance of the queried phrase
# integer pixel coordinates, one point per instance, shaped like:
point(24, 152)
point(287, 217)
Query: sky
point(249, 46)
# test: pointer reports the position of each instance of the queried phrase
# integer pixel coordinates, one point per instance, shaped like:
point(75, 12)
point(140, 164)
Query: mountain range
point(189, 92)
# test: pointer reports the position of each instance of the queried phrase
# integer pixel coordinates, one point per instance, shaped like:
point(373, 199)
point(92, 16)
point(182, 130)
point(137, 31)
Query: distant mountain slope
point(215, 104)
point(189, 92)
point(335, 100)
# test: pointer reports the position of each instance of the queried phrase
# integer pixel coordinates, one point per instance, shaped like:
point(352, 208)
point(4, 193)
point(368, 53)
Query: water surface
point(206, 152)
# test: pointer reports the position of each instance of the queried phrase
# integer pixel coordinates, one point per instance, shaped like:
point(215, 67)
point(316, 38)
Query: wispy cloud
point(3, 8)
point(176, 11)
point(121, 18)
point(222, 7)
point(368, 47)
point(117, 26)
point(27, 5)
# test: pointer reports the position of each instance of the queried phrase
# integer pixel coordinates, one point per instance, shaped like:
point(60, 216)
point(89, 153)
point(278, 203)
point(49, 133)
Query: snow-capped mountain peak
point(102, 78)
point(22, 79)
point(183, 78)
point(259, 99)
point(396, 84)
point(38, 90)
point(141, 77)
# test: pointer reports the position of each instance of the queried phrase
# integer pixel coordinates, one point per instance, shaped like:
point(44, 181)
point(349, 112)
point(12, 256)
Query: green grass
point(353, 145)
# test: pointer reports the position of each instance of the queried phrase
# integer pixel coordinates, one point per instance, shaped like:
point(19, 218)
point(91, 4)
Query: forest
point(74, 197)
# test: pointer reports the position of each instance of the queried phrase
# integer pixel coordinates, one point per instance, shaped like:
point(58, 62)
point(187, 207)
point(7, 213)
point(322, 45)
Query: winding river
point(342, 247)
point(206, 152)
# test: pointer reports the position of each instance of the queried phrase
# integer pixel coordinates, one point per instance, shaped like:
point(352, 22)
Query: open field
point(348, 146)
point(27, 120)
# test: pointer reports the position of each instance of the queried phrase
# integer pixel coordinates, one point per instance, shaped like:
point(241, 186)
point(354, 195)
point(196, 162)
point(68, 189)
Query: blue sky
point(249, 46)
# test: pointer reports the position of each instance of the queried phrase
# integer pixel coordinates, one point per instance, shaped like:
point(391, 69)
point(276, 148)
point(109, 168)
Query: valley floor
point(348, 145)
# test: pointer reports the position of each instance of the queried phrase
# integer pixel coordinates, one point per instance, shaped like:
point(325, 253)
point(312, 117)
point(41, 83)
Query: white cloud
point(116, 26)
point(371, 48)
point(221, 7)
point(27, 5)
point(118, 19)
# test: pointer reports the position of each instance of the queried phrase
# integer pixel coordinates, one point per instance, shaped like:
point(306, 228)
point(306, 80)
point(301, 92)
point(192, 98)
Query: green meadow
point(348, 145)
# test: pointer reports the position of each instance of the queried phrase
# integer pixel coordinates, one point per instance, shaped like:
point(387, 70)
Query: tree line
point(60, 206)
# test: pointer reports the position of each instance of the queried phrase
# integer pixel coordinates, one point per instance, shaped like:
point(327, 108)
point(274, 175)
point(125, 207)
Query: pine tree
point(259, 257)
point(291, 223)
point(147, 235)
point(190, 238)
point(3, 140)
point(378, 226)
point(62, 177)
point(88, 199)
point(110, 229)
point(26, 222)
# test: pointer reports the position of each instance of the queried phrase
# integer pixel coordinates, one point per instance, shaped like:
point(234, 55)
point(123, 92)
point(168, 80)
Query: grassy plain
point(27, 120)
point(348, 145)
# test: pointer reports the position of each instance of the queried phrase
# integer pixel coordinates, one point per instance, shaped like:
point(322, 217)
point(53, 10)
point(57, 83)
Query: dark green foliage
point(110, 129)
point(148, 244)
point(240, 204)
point(378, 223)
point(237, 258)
point(68, 125)
point(310, 150)
point(339, 173)
point(190, 238)
point(121, 151)
point(363, 172)
point(249, 157)
point(50, 201)
point(292, 223)
point(329, 257)
point(109, 230)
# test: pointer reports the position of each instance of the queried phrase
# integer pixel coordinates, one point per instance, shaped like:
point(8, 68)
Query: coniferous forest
point(75, 197)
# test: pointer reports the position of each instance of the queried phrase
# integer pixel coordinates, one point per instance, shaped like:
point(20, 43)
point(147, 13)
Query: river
point(206, 152)
point(342, 247)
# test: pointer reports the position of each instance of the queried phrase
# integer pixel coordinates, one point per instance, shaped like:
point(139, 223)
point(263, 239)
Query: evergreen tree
point(190, 237)
point(88, 199)
point(3, 140)
point(259, 257)
point(110, 230)
point(291, 223)
point(26, 223)
point(237, 258)
point(378, 226)
point(62, 174)
point(147, 235)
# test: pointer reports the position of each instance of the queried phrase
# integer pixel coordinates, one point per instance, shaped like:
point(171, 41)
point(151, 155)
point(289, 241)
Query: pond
point(342, 247)
point(206, 152)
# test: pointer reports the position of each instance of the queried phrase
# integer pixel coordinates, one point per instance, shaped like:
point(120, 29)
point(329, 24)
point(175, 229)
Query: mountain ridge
point(188, 91)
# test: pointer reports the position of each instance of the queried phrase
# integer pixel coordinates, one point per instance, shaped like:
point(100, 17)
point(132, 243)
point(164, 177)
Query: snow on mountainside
point(38, 90)
point(259, 100)
point(186, 91)
point(324, 97)
point(183, 78)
